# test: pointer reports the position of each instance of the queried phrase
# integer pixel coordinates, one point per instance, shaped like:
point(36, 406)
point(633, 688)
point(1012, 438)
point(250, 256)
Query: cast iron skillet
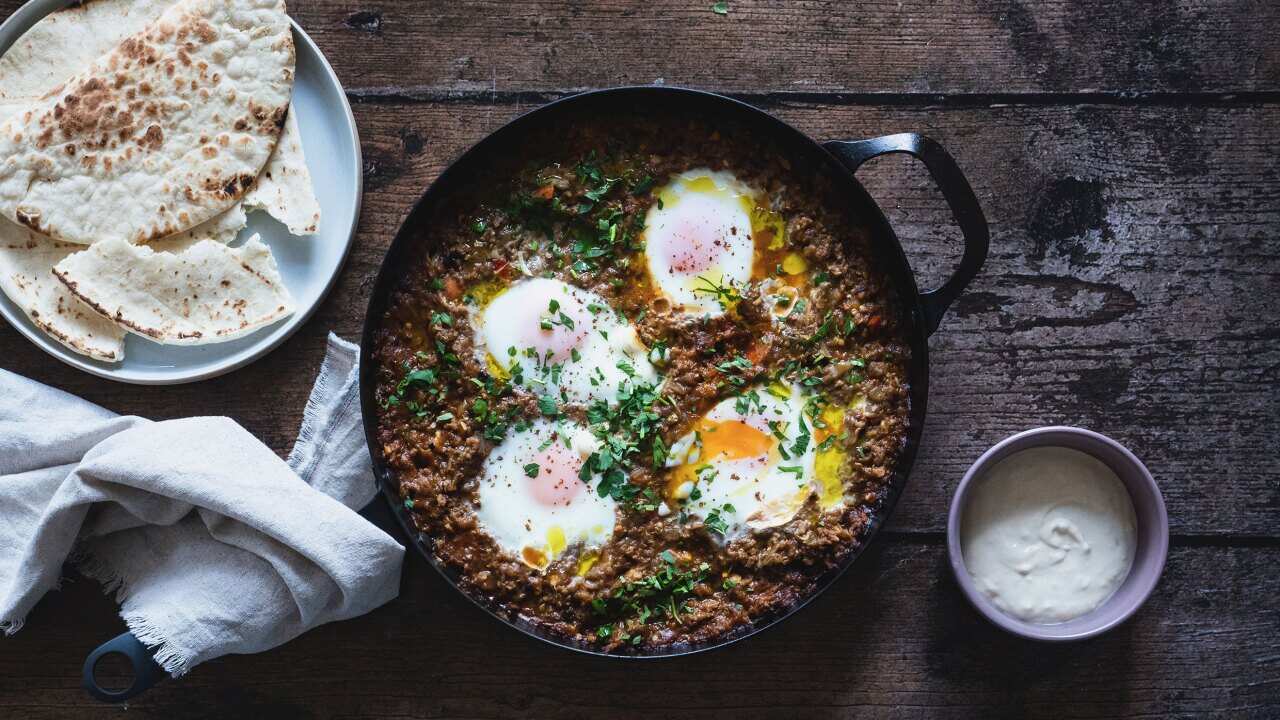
point(838, 159)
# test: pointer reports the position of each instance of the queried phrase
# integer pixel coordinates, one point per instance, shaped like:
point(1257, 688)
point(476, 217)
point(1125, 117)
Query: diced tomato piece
point(452, 288)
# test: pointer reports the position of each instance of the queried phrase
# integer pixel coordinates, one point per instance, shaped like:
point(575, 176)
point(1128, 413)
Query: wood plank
point(895, 636)
point(916, 47)
point(913, 47)
point(1135, 254)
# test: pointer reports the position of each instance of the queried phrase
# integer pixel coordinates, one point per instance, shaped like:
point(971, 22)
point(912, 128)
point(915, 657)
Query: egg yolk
point(721, 440)
point(827, 463)
point(534, 558)
point(695, 237)
point(556, 482)
point(485, 292)
point(794, 264)
point(587, 561)
point(556, 542)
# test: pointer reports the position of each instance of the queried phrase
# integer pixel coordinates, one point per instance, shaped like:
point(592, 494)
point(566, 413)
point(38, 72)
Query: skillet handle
point(146, 671)
point(958, 194)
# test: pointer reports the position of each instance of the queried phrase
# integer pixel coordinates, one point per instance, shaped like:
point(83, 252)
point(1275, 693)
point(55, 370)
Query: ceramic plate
point(309, 265)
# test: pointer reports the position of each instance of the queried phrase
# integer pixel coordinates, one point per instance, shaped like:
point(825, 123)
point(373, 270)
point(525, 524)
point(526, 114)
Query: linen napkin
point(210, 542)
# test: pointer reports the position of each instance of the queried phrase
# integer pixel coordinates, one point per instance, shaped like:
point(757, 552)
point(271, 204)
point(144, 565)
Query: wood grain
point(916, 47)
point(1124, 154)
point(893, 636)
point(1134, 258)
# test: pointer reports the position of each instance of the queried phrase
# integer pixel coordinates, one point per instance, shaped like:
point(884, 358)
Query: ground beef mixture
point(817, 313)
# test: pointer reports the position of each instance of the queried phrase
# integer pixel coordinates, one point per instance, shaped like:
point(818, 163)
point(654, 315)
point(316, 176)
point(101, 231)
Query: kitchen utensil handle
point(146, 671)
point(958, 194)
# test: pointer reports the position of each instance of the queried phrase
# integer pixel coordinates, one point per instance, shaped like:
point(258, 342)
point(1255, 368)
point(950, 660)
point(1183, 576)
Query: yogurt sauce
point(1048, 534)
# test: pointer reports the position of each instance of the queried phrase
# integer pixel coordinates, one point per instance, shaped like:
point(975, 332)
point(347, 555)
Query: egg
point(698, 242)
point(752, 462)
point(532, 501)
point(560, 341)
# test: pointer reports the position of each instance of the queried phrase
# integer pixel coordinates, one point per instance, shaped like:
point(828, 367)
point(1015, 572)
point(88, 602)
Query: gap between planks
point(437, 95)
point(933, 538)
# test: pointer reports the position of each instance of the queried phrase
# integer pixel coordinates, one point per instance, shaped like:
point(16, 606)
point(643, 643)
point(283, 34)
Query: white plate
point(309, 265)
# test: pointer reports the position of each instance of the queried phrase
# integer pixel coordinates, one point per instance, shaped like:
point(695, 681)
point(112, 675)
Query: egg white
point(537, 519)
point(698, 238)
point(562, 341)
point(753, 476)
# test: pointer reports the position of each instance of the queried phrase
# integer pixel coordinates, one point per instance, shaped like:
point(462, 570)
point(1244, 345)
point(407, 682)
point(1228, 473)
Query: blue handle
point(146, 672)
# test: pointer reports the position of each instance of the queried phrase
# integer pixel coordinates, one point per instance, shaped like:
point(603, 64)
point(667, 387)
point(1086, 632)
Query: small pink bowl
point(1152, 533)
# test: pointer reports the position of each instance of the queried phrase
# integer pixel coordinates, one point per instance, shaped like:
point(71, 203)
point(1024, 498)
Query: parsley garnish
point(547, 406)
point(735, 370)
point(531, 469)
point(715, 519)
point(725, 294)
point(664, 593)
point(802, 439)
point(623, 431)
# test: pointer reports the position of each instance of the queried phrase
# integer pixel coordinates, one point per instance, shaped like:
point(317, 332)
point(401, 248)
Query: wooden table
point(1125, 154)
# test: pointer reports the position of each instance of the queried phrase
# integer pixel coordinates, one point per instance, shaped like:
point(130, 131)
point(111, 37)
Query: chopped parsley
point(624, 432)
point(662, 594)
point(725, 294)
point(831, 440)
point(644, 185)
point(532, 469)
point(547, 406)
point(745, 402)
point(802, 439)
point(716, 521)
point(736, 370)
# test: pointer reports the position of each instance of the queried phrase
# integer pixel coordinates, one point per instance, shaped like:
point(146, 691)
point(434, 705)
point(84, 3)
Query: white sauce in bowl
point(1048, 534)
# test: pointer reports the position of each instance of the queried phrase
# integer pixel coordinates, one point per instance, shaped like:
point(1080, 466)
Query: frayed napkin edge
point(114, 585)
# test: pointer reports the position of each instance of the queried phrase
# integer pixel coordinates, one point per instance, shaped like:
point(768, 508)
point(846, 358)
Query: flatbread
point(283, 188)
point(168, 129)
point(65, 42)
point(51, 51)
point(207, 293)
point(68, 40)
point(26, 262)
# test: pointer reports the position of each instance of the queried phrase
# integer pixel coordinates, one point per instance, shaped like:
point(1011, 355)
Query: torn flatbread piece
point(26, 276)
point(67, 40)
point(284, 186)
point(207, 293)
point(165, 131)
